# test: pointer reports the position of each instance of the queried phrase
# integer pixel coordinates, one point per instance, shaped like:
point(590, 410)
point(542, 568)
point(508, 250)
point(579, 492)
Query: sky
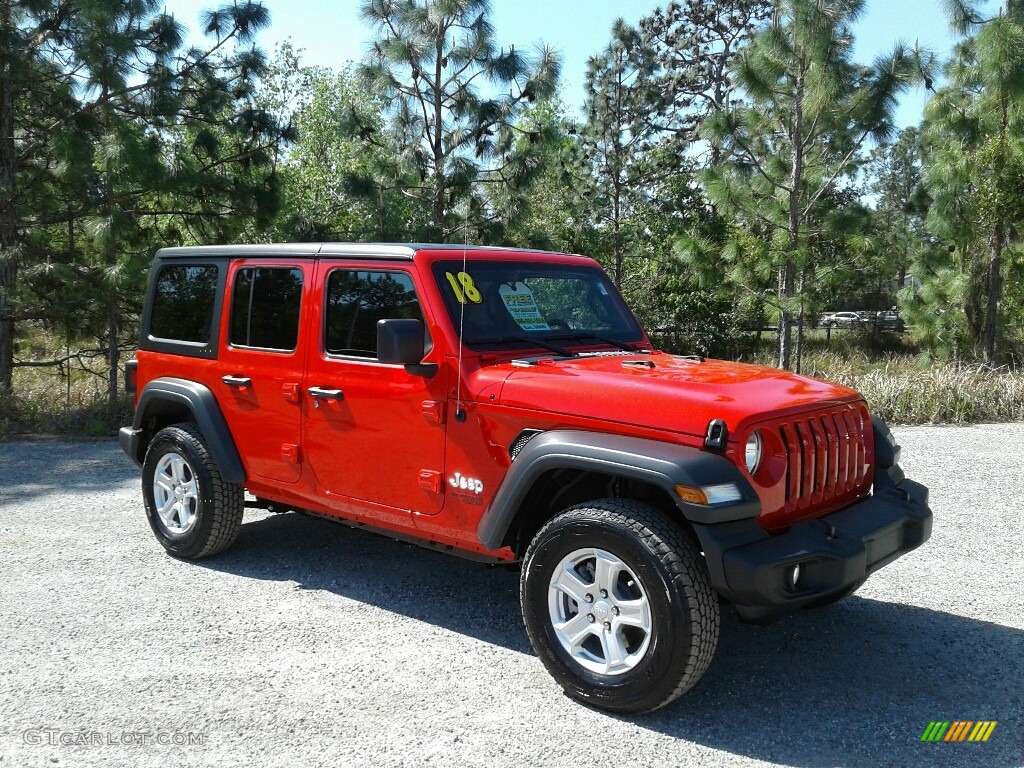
point(330, 32)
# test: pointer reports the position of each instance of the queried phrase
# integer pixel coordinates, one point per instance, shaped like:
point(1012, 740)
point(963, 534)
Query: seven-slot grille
point(826, 458)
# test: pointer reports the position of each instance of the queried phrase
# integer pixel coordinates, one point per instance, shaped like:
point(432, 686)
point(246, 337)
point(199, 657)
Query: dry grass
point(69, 402)
point(946, 394)
point(906, 389)
point(900, 387)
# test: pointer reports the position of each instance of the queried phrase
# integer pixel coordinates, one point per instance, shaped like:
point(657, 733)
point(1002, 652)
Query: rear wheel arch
point(167, 401)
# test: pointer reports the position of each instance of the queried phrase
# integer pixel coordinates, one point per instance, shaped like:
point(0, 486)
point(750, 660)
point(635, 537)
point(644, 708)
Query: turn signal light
point(692, 495)
point(709, 494)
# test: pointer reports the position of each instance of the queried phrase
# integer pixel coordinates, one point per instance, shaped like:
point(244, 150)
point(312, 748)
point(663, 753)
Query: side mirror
point(401, 342)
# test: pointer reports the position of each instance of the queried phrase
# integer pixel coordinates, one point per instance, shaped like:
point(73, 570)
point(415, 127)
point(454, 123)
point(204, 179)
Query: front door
point(260, 365)
point(371, 432)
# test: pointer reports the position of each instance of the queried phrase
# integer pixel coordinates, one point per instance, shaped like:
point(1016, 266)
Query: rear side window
point(356, 300)
point(265, 305)
point(183, 302)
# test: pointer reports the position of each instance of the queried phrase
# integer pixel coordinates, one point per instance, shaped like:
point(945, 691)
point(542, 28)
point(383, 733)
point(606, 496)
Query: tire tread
point(679, 555)
point(226, 502)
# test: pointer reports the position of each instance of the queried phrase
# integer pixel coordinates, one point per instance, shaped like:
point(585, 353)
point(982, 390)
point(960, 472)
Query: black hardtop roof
point(348, 250)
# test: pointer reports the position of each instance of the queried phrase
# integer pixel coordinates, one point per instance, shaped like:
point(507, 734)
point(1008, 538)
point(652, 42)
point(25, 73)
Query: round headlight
point(753, 452)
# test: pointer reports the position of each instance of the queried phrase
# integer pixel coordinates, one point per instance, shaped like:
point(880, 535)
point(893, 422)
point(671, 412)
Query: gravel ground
point(312, 644)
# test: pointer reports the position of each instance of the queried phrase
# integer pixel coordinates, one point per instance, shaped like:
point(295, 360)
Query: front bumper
point(753, 569)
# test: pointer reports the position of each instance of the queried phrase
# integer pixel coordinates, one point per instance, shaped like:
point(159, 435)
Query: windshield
point(502, 304)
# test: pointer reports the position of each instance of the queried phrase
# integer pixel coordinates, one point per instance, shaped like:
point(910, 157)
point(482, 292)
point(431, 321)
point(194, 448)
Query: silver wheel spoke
point(166, 507)
point(568, 582)
point(614, 652)
point(176, 473)
point(576, 630)
point(607, 569)
point(634, 613)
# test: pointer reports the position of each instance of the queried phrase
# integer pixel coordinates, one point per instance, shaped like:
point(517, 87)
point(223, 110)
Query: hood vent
point(638, 364)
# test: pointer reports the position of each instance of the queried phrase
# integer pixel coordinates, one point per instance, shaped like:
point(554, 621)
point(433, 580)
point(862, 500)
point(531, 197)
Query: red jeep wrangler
point(507, 405)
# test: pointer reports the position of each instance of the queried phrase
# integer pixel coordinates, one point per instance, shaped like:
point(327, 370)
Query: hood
point(665, 392)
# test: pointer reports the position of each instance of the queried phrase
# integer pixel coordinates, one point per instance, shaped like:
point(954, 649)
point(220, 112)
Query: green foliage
point(694, 44)
point(616, 139)
point(127, 140)
point(975, 167)
point(691, 320)
point(336, 186)
point(786, 152)
point(551, 211)
point(69, 398)
point(448, 140)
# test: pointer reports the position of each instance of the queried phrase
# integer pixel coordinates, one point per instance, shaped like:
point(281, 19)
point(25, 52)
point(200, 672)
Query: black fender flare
point(202, 404)
point(665, 465)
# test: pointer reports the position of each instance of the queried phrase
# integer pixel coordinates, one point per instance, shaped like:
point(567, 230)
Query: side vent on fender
point(521, 440)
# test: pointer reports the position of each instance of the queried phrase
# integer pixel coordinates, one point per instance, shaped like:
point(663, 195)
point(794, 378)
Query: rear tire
point(191, 509)
point(618, 605)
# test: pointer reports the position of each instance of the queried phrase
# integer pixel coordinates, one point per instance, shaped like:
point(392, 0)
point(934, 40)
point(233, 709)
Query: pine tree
point(618, 136)
point(808, 111)
point(896, 178)
point(975, 171)
point(694, 44)
point(427, 62)
point(120, 131)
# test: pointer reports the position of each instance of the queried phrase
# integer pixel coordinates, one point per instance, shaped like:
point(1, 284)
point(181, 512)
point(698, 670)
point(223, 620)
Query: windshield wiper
point(582, 336)
point(524, 340)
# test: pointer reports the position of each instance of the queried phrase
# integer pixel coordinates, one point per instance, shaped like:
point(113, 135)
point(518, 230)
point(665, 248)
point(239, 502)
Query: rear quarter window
point(183, 303)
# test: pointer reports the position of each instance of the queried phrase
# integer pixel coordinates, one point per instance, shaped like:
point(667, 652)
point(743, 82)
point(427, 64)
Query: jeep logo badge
point(466, 483)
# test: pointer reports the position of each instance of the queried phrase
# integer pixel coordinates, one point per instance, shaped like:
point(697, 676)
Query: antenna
point(460, 414)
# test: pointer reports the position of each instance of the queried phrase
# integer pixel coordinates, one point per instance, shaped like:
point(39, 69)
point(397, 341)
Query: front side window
point(497, 303)
point(356, 300)
point(265, 304)
point(182, 308)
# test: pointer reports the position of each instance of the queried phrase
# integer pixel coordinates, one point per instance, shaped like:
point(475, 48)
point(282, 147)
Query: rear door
point(260, 363)
point(372, 432)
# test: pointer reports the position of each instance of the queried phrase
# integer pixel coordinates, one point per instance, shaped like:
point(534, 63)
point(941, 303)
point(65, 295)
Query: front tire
point(618, 606)
point(191, 509)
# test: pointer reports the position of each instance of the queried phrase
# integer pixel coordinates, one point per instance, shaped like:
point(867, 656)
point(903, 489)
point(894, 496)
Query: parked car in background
point(845, 320)
point(889, 320)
